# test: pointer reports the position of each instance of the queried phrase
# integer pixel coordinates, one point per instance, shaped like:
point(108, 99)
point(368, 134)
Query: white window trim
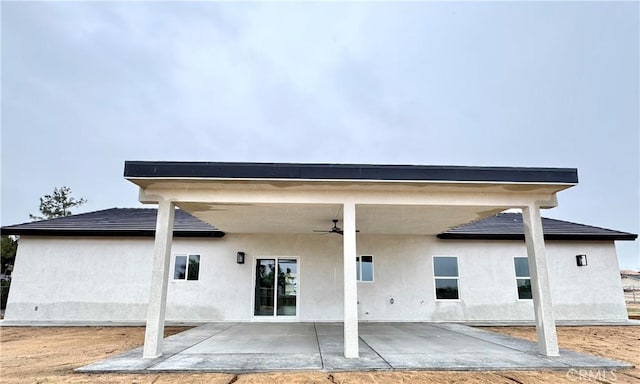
point(186, 271)
point(275, 318)
point(515, 276)
point(373, 270)
point(435, 293)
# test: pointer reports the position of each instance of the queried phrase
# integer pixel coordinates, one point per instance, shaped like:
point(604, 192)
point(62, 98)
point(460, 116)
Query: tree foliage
point(7, 256)
point(9, 248)
point(57, 204)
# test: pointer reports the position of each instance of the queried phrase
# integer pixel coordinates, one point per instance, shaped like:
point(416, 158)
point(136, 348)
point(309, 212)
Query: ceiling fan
point(334, 229)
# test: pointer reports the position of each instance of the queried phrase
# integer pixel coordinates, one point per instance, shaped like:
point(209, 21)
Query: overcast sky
point(86, 86)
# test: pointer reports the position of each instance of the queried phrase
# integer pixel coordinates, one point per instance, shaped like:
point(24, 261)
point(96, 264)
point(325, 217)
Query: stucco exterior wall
point(90, 279)
point(107, 279)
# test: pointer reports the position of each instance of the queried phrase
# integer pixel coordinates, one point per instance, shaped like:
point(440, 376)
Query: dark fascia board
point(225, 170)
point(552, 236)
point(105, 233)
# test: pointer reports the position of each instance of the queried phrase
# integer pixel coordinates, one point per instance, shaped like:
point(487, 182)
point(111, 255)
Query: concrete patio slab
point(132, 361)
point(239, 362)
point(258, 347)
point(294, 338)
point(331, 344)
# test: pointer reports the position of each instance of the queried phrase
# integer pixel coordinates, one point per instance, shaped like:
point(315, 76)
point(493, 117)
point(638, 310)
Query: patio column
point(350, 284)
point(539, 272)
point(154, 331)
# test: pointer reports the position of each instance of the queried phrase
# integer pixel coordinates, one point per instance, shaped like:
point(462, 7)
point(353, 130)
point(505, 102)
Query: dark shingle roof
point(142, 221)
point(114, 222)
point(508, 226)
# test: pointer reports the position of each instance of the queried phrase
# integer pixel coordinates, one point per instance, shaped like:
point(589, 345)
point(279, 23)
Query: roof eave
point(106, 233)
point(550, 236)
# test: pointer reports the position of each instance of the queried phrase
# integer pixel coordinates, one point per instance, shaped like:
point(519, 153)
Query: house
point(322, 242)
point(630, 280)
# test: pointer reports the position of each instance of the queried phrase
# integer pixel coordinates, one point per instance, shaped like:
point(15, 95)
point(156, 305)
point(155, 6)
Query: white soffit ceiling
point(305, 218)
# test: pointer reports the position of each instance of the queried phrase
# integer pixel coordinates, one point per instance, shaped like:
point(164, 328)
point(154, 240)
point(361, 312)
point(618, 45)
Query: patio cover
point(375, 199)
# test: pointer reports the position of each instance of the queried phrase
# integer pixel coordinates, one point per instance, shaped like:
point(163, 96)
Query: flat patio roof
point(373, 172)
point(301, 198)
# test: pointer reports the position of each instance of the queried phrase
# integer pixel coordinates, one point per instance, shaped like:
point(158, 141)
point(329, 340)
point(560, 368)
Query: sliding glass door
point(264, 299)
point(276, 287)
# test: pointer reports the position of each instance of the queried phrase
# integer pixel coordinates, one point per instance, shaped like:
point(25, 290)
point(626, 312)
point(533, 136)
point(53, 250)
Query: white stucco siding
point(225, 288)
point(402, 273)
point(488, 282)
point(488, 288)
point(579, 293)
point(215, 295)
point(80, 279)
point(107, 279)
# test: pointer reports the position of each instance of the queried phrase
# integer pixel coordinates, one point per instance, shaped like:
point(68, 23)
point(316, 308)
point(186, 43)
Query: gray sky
point(86, 86)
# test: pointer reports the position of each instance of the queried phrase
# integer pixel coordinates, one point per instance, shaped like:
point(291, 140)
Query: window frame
point(516, 277)
point(187, 257)
point(359, 269)
point(435, 277)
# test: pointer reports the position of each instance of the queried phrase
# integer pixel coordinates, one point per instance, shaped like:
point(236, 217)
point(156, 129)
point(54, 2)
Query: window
point(364, 268)
point(523, 279)
point(184, 270)
point(445, 275)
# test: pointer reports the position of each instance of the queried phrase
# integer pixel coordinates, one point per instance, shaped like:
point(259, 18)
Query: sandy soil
point(49, 355)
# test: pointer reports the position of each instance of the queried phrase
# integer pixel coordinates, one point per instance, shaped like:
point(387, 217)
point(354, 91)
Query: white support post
point(350, 283)
point(539, 272)
point(154, 331)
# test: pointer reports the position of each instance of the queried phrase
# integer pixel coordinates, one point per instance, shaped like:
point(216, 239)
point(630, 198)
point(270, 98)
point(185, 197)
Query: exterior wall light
point(240, 258)
point(581, 260)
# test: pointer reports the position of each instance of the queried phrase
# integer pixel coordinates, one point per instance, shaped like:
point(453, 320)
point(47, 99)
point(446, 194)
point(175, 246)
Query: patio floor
point(259, 347)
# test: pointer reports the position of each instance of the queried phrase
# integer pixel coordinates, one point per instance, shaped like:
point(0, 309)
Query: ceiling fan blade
point(334, 229)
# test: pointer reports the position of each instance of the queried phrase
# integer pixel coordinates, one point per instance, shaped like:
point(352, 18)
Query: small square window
point(445, 266)
point(447, 289)
point(522, 266)
point(184, 270)
point(524, 289)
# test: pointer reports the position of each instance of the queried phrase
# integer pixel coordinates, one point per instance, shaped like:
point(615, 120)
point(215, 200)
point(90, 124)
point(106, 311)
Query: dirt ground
point(49, 355)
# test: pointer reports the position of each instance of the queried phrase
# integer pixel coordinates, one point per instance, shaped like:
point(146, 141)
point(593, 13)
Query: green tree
point(9, 249)
point(7, 256)
point(57, 204)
